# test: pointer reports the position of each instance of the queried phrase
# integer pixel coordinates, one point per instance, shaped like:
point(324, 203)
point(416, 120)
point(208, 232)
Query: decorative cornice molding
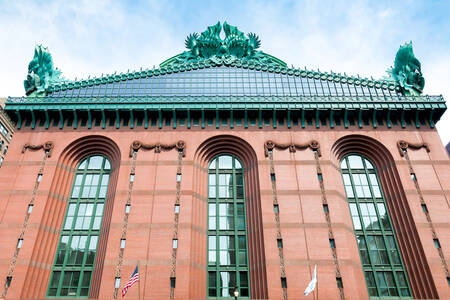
point(403, 146)
point(136, 145)
point(270, 145)
point(47, 146)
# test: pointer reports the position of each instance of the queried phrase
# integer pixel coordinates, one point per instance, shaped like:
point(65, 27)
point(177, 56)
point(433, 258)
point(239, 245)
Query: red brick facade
point(151, 224)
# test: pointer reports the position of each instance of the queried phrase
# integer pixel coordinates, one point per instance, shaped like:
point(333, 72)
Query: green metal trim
point(89, 119)
point(260, 118)
point(303, 118)
point(19, 119)
point(174, 125)
point(33, 120)
point(245, 118)
point(331, 118)
point(317, 118)
point(402, 119)
point(431, 118)
point(159, 118)
point(374, 118)
point(47, 120)
point(274, 119)
point(203, 119)
point(217, 119)
point(61, 119)
point(75, 119)
point(231, 119)
point(117, 119)
point(388, 119)
point(145, 119)
point(188, 119)
point(288, 119)
point(360, 118)
point(131, 119)
point(103, 120)
point(417, 119)
point(346, 118)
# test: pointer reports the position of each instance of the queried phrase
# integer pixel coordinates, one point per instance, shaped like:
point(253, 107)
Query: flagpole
point(139, 281)
point(317, 283)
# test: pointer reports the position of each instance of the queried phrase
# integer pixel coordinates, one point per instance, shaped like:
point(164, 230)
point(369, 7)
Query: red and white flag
point(133, 279)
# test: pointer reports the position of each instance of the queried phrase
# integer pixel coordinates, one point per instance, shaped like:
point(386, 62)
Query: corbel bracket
point(403, 146)
point(47, 146)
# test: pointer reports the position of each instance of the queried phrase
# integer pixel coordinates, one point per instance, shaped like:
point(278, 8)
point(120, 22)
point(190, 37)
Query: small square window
point(178, 177)
point(174, 243)
point(320, 177)
point(39, 178)
point(276, 208)
point(280, 243)
point(117, 283)
point(283, 282)
point(448, 281)
point(436, 243)
point(19, 243)
point(122, 243)
point(339, 282)
point(172, 282)
point(272, 176)
point(30, 208)
point(127, 208)
point(332, 243)
point(8, 281)
point(424, 208)
point(131, 177)
point(413, 177)
point(325, 208)
point(177, 208)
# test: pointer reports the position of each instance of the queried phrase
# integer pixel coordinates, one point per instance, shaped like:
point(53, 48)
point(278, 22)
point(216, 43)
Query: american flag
point(133, 279)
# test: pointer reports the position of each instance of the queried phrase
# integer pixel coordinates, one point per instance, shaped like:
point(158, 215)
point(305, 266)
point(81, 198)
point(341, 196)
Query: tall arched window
point(75, 256)
point(227, 230)
point(381, 261)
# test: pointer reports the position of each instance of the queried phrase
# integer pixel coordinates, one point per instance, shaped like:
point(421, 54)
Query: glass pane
point(368, 164)
point(237, 164)
point(212, 165)
point(343, 164)
point(95, 163)
point(225, 162)
point(355, 162)
point(107, 165)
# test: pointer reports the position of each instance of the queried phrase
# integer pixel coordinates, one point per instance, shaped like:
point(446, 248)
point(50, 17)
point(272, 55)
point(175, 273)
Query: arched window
point(380, 258)
point(227, 230)
point(75, 256)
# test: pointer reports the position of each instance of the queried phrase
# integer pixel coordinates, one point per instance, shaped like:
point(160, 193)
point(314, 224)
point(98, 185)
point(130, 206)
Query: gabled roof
point(321, 78)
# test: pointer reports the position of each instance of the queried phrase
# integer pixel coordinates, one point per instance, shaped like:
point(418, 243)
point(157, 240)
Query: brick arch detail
point(43, 255)
point(228, 144)
point(419, 274)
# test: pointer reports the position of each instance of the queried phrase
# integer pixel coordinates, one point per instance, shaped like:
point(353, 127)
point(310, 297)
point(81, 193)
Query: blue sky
point(355, 37)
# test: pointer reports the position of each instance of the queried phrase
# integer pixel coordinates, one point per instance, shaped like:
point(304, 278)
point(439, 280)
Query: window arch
point(227, 230)
point(75, 256)
point(381, 261)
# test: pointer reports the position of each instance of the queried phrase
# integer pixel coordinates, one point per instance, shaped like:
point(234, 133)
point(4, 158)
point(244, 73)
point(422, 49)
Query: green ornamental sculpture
point(235, 45)
point(406, 71)
point(41, 73)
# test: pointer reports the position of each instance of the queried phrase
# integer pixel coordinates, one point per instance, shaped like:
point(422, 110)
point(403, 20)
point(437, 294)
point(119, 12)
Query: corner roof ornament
point(407, 71)
point(210, 46)
point(41, 73)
